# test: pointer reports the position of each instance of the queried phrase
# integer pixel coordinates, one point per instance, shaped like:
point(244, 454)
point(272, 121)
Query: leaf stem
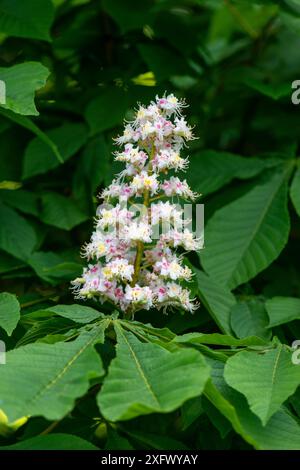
point(50, 428)
point(40, 300)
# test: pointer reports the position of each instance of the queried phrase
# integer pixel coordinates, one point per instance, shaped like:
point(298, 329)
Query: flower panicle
point(130, 263)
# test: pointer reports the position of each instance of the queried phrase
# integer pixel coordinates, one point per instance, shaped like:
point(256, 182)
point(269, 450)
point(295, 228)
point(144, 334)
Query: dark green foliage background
point(88, 62)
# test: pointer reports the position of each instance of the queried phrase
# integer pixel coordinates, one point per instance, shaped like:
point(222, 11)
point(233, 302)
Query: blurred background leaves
point(89, 63)
point(73, 70)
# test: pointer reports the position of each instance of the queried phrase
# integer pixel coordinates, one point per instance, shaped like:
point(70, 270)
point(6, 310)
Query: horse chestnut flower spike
point(132, 264)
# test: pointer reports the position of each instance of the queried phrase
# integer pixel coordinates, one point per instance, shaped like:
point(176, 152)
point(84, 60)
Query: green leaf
point(129, 16)
point(116, 442)
point(42, 262)
point(217, 300)
point(210, 170)
point(163, 61)
point(39, 156)
point(134, 384)
point(28, 124)
point(227, 409)
point(245, 236)
point(282, 432)
point(60, 211)
point(75, 312)
point(26, 18)
point(95, 162)
point(156, 441)
point(17, 237)
point(52, 267)
point(43, 328)
point(21, 82)
point(9, 263)
point(249, 318)
point(295, 401)
point(9, 312)
point(217, 419)
point(218, 339)
point(191, 410)
point(282, 310)
point(163, 335)
point(272, 90)
point(145, 79)
point(24, 201)
point(295, 191)
point(107, 110)
point(56, 441)
point(266, 380)
point(145, 332)
point(10, 185)
point(44, 380)
point(67, 270)
point(291, 21)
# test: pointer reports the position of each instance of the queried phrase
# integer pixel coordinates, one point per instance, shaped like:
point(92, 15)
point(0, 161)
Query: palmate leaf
point(282, 432)
point(266, 380)
point(44, 380)
point(9, 312)
point(282, 310)
point(245, 236)
point(146, 378)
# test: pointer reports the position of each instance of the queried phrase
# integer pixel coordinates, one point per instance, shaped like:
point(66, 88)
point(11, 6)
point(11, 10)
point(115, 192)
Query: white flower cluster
point(128, 265)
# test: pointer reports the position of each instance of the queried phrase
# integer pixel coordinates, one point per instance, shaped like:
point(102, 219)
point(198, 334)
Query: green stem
point(140, 245)
point(50, 428)
point(39, 301)
point(161, 196)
